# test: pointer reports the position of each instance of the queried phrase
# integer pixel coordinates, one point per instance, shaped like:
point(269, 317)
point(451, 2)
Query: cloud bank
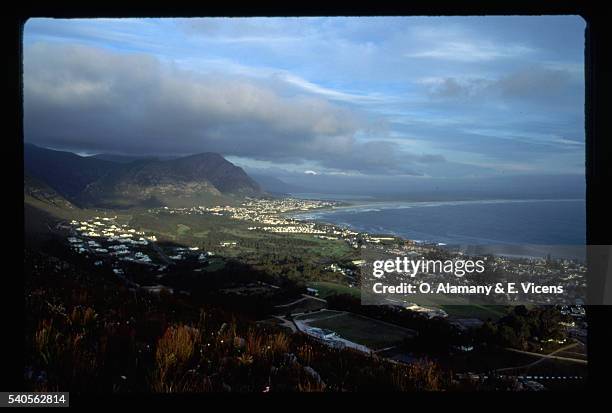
point(443, 97)
point(80, 97)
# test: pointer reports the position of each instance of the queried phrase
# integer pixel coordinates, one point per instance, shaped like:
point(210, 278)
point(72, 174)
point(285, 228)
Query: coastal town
point(269, 203)
point(142, 258)
point(278, 216)
point(120, 245)
point(145, 258)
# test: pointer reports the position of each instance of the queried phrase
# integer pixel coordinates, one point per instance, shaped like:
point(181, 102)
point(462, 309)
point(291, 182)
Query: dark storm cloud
point(381, 157)
point(534, 85)
point(89, 99)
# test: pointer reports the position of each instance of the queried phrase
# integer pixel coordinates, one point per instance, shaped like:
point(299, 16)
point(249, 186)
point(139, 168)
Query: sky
point(383, 101)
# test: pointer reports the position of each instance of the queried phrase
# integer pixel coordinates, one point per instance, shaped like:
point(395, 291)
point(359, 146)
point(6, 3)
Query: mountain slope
point(65, 172)
point(36, 191)
point(224, 175)
point(186, 181)
point(43, 208)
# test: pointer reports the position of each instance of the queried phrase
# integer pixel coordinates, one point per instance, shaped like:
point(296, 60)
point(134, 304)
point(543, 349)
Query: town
point(122, 246)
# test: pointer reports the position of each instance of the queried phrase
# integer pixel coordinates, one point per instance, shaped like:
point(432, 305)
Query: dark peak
point(203, 163)
point(87, 180)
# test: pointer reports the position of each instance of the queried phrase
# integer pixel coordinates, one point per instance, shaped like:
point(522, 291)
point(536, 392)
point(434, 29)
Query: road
point(299, 300)
point(543, 357)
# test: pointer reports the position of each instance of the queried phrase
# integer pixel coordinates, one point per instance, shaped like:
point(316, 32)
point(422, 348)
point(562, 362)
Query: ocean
point(518, 227)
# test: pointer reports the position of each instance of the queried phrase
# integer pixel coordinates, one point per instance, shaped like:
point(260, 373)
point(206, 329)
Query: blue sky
point(427, 97)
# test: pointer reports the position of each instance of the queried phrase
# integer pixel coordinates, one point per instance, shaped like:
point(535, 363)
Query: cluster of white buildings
point(337, 268)
point(108, 229)
point(296, 228)
point(106, 237)
point(268, 213)
point(119, 240)
point(359, 240)
point(430, 312)
point(181, 253)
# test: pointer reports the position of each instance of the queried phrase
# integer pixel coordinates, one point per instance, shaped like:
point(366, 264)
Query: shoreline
point(478, 249)
point(408, 204)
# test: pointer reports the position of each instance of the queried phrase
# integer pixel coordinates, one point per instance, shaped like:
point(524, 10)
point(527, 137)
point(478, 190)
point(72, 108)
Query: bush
point(175, 349)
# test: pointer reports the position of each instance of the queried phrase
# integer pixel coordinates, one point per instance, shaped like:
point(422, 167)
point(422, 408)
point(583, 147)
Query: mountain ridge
point(90, 181)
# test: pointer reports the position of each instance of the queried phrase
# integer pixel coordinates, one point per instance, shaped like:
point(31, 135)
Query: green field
point(332, 249)
point(328, 288)
point(366, 331)
point(182, 229)
point(482, 312)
